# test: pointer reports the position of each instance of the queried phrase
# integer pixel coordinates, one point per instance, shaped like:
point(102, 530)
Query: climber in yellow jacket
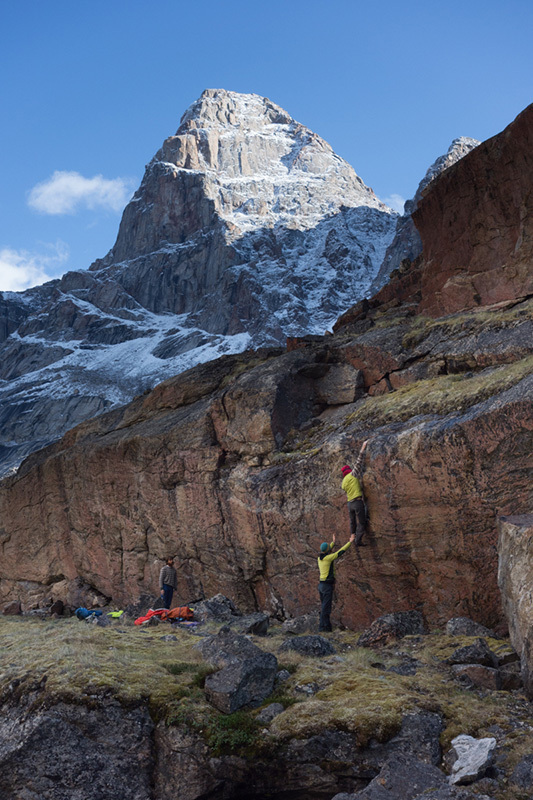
point(351, 484)
point(326, 566)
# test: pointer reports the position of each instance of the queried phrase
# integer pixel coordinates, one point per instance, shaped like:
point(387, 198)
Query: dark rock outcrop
point(317, 766)
point(402, 778)
point(392, 626)
point(67, 752)
point(246, 675)
point(522, 775)
point(464, 626)
point(476, 653)
point(316, 646)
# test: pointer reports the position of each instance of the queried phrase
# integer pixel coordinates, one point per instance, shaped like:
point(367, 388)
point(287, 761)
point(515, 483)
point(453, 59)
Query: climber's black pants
point(325, 590)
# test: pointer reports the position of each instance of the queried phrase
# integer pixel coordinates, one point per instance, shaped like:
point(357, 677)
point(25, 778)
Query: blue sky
point(90, 90)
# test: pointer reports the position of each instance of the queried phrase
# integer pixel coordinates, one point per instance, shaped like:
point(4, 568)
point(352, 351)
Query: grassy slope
point(81, 662)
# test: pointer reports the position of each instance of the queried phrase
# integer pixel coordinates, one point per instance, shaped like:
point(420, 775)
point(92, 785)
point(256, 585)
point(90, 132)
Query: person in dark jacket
point(168, 582)
point(326, 566)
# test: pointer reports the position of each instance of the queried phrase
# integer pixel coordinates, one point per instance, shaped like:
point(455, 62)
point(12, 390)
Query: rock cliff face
point(246, 228)
point(407, 243)
point(235, 465)
point(476, 227)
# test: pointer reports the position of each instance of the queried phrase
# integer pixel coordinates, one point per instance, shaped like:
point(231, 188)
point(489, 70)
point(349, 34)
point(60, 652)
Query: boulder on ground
point(308, 689)
point(474, 757)
point(12, 609)
point(217, 609)
point(226, 647)
point(464, 626)
point(419, 737)
point(141, 605)
point(522, 775)
point(103, 621)
point(511, 677)
point(255, 624)
point(478, 675)
point(403, 776)
point(392, 626)
point(246, 675)
point(408, 666)
point(267, 714)
point(477, 653)
point(306, 623)
point(316, 646)
point(283, 675)
point(242, 685)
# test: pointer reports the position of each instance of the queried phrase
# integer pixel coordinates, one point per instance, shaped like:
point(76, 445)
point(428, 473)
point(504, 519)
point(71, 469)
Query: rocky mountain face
point(235, 465)
point(407, 243)
point(247, 228)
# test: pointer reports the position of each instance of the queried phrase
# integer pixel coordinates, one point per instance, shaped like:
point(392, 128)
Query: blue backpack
point(83, 613)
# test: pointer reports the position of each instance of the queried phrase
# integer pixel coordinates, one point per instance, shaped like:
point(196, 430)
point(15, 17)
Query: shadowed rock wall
point(476, 224)
point(515, 579)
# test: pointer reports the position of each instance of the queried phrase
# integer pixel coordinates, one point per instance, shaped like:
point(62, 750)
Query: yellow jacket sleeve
point(326, 565)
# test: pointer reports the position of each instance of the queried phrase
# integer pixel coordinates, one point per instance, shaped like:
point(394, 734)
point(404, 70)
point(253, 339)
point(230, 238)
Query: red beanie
point(346, 469)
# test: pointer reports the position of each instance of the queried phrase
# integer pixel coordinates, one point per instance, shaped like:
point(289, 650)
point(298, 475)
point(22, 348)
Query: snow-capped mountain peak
point(246, 228)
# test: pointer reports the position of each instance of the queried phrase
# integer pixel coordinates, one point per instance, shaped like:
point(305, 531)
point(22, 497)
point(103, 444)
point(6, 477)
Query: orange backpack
point(181, 612)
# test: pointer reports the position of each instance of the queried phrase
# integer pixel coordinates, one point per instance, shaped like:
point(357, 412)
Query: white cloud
point(396, 202)
point(67, 192)
point(20, 269)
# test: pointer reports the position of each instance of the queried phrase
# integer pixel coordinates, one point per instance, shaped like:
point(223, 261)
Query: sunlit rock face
point(234, 466)
point(246, 228)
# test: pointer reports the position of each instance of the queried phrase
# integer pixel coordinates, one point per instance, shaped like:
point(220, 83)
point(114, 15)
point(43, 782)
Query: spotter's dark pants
point(167, 596)
point(325, 590)
point(357, 513)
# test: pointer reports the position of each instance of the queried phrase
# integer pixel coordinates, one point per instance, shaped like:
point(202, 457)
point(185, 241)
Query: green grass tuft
point(233, 733)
